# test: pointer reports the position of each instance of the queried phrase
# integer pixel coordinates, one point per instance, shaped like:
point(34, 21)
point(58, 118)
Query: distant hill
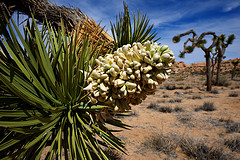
point(180, 66)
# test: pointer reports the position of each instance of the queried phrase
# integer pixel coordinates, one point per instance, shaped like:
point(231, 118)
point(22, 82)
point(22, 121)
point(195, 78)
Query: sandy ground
point(188, 93)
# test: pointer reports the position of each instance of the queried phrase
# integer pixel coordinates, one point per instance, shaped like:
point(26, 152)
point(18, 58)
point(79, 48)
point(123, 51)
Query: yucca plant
point(42, 102)
point(124, 33)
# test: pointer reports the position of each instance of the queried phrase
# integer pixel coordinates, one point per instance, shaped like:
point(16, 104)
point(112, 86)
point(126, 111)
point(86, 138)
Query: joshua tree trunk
point(208, 66)
point(220, 56)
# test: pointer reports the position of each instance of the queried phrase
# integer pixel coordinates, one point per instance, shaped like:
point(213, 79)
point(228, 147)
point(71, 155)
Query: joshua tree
point(235, 64)
point(200, 43)
point(221, 46)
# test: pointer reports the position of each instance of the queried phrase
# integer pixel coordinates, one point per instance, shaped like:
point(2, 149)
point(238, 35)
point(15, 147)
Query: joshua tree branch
point(44, 9)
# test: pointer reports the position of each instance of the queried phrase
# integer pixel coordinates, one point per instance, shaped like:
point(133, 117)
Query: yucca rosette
point(129, 74)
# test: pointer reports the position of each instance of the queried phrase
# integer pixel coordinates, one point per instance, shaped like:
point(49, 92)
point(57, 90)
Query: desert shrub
point(153, 106)
point(214, 91)
point(187, 87)
point(170, 86)
point(184, 118)
point(161, 101)
point(196, 97)
point(207, 106)
point(160, 143)
point(179, 79)
point(233, 143)
point(165, 96)
point(233, 94)
point(113, 154)
point(165, 109)
point(223, 81)
point(176, 100)
point(178, 109)
point(233, 127)
point(199, 150)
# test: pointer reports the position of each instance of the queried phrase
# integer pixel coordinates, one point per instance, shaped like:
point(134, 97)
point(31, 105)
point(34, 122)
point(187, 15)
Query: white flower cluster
point(129, 74)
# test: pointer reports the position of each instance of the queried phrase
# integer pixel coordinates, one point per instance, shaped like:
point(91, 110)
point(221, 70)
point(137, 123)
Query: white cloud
point(232, 5)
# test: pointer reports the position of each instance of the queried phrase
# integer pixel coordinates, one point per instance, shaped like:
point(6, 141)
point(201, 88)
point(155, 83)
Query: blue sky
point(173, 17)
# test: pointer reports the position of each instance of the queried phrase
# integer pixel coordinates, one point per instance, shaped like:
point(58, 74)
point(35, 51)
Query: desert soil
point(187, 93)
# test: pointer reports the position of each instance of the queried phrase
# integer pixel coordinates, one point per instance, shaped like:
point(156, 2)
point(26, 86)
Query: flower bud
point(89, 87)
point(103, 76)
point(156, 57)
point(131, 85)
point(150, 81)
point(90, 79)
point(163, 48)
point(95, 74)
point(113, 72)
point(96, 93)
point(160, 76)
point(147, 60)
point(103, 87)
point(147, 45)
point(120, 63)
point(118, 83)
point(165, 56)
point(132, 76)
point(116, 68)
point(129, 71)
point(125, 48)
point(147, 69)
point(159, 65)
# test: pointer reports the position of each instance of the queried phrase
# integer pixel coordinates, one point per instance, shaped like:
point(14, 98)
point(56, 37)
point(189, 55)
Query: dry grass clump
point(165, 109)
point(175, 100)
point(223, 81)
point(207, 106)
point(113, 154)
point(200, 150)
point(165, 96)
point(196, 149)
point(178, 109)
point(160, 143)
point(196, 97)
point(153, 106)
point(233, 144)
point(233, 94)
point(214, 91)
point(233, 127)
point(184, 118)
point(170, 86)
